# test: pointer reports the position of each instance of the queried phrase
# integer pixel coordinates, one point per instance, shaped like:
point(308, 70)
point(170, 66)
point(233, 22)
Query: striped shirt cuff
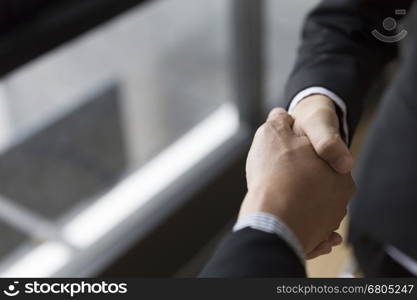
point(268, 223)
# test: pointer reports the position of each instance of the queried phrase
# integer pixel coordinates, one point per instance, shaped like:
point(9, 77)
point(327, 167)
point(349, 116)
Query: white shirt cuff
point(268, 223)
point(323, 91)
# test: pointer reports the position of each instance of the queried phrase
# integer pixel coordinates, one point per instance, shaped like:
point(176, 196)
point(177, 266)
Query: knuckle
point(267, 126)
point(266, 130)
point(277, 112)
point(279, 126)
point(261, 130)
point(327, 145)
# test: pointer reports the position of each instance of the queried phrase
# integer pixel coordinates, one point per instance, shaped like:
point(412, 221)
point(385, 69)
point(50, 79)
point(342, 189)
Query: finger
point(325, 247)
point(278, 113)
point(322, 249)
point(325, 138)
point(335, 239)
point(281, 122)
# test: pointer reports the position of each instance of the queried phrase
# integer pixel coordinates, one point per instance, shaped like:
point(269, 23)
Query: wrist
point(264, 201)
point(256, 200)
point(312, 103)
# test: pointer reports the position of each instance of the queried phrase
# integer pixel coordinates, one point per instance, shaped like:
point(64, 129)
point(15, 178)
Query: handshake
point(299, 172)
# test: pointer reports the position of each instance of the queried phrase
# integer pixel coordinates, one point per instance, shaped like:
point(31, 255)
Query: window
point(109, 133)
point(94, 130)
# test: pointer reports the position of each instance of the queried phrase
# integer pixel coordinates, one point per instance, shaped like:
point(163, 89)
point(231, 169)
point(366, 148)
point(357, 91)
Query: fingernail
point(338, 240)
point(343, 164)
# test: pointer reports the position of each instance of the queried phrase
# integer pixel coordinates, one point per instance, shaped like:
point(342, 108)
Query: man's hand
point(288, 180)
point(316, 118)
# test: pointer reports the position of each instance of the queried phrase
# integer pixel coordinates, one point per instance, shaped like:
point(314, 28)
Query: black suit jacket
point(15, 12)
point(254, 254)
point(339, 52)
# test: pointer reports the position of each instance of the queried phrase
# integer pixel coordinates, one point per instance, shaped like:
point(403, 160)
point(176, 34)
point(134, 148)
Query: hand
point(288, 180)
point(316, 118)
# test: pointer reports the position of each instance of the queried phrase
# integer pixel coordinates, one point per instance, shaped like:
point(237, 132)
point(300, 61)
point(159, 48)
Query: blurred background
point(125, 126)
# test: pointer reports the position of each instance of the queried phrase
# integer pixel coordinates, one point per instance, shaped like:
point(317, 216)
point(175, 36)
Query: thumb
point(326, 246)
point(322, 129)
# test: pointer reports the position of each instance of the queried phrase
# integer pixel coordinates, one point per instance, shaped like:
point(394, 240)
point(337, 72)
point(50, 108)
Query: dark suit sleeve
point(15, 12)
point(339, 52)
point(253, 254)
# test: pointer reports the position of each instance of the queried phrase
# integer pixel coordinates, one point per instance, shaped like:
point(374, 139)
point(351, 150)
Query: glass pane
point(11, 239)
point(70, 160)
point(76, 122)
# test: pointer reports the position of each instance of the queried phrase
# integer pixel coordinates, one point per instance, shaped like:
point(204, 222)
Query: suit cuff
point(270, 224)
point(323, 91)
